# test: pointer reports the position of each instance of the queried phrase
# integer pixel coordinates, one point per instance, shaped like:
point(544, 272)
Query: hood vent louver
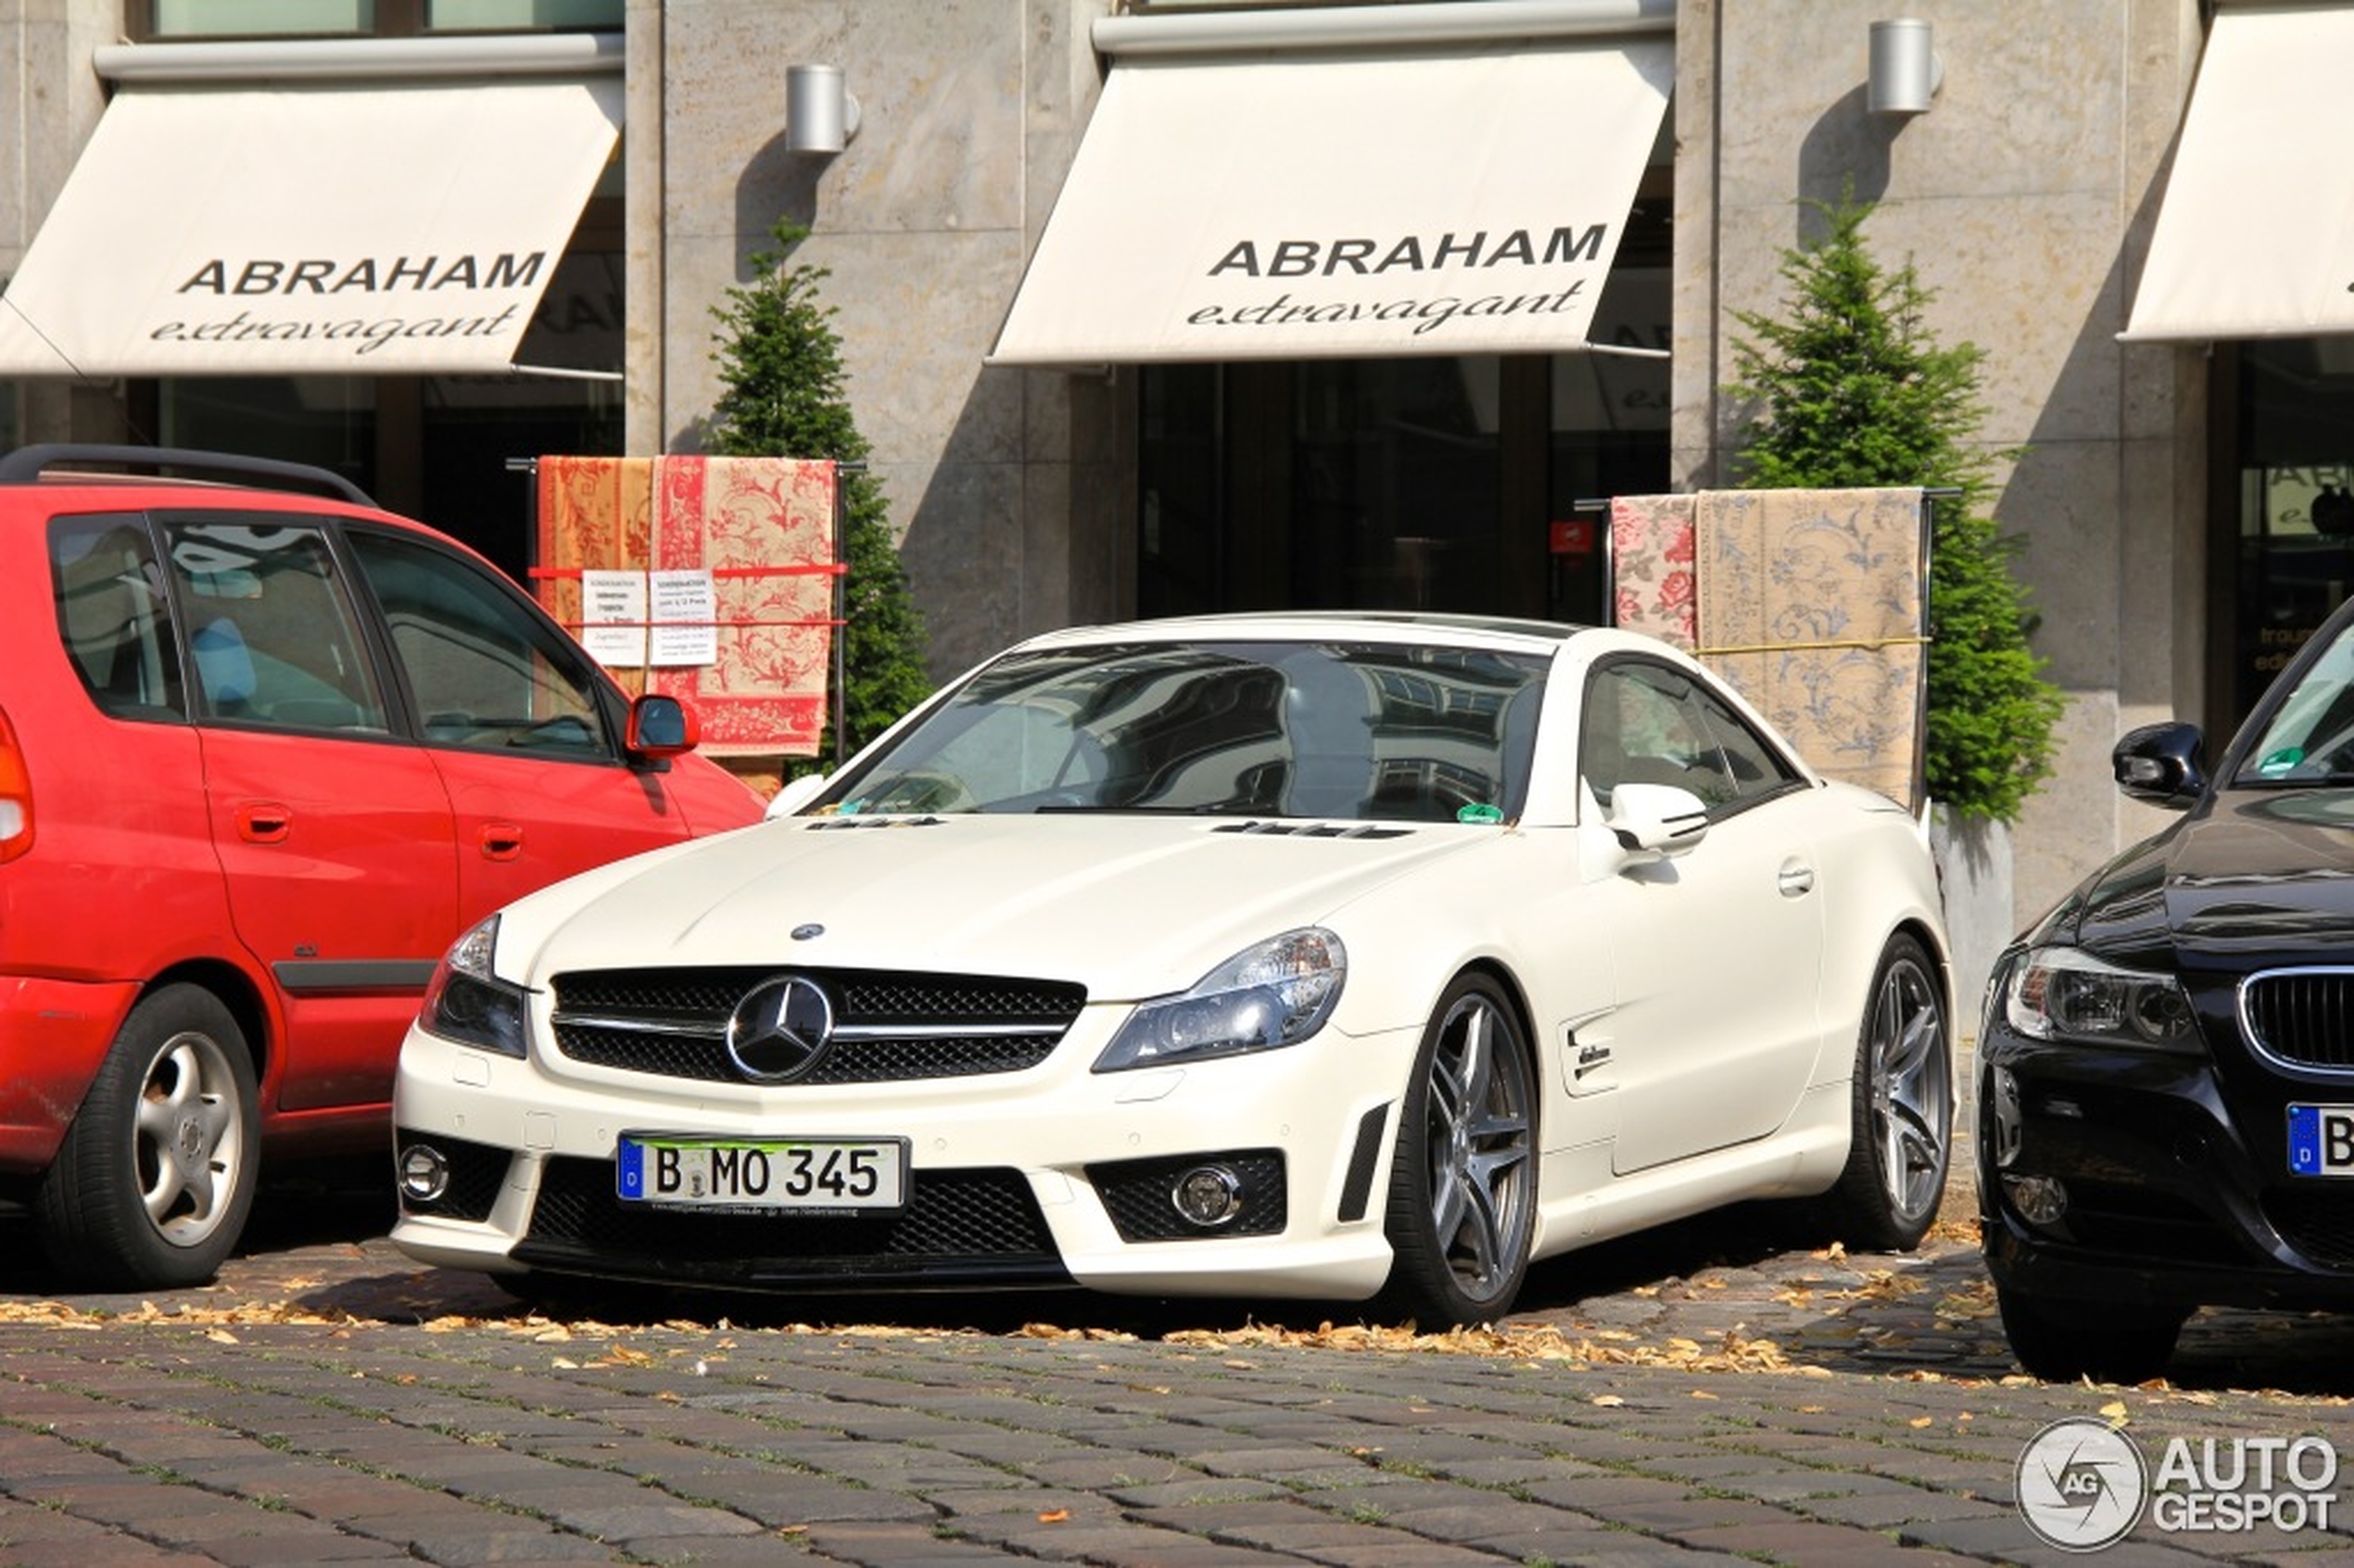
point(1314, 829)
point(1274, 829)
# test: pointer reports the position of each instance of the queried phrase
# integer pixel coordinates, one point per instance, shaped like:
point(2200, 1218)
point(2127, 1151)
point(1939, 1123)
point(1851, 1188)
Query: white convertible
point(1282, 955)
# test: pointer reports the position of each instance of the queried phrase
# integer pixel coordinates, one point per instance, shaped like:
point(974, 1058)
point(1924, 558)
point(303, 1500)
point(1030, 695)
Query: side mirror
point(662, 727)
point(1656, 819)
point(2159, 763)
point(797, 792)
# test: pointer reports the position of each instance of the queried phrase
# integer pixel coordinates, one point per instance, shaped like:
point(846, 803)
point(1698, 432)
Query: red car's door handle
point(501, 840)
point(263, 822)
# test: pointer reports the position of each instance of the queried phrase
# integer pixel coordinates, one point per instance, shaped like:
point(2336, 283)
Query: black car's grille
point(2317, 1220)
point(2302, 1016)
point(2145, 1220)
point(889, 1028)
point(977, 1225)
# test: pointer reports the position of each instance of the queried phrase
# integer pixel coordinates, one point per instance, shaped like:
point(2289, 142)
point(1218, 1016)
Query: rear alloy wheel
point(1901, 1142)
point(156, 1176)
point(2109, 1342)
point(1464, 1184)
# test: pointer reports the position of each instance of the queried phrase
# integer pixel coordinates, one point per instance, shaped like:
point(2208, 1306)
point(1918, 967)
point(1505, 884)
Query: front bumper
point(1044, 1176)
point(2167, 1200)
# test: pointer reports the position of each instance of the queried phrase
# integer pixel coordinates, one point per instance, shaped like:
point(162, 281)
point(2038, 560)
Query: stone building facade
point(1031, 496)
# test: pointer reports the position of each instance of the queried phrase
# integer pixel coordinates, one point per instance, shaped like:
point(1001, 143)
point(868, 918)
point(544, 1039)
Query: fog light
point(424, 1173)
point(2041, 1200)
point(1208, 1195)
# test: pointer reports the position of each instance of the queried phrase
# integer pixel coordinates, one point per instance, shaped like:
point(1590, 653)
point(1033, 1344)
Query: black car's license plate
point(2321, 1140)
point(685, 1170)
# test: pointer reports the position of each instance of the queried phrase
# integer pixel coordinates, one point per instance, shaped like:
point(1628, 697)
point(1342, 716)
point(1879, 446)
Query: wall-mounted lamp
point(1906, 72)
point(820, 115)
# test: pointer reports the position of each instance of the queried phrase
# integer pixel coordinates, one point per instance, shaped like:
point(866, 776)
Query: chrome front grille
point(2301, 1018)
point(888, 1027)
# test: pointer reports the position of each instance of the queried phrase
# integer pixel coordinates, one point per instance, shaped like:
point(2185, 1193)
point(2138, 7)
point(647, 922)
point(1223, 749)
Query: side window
point(113, 614)
point(1643, 724)
point(485, 674)
point(1757, 769)
point(271, 633)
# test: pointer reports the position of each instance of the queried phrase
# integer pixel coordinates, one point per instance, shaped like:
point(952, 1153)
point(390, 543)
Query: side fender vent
point(1357, 1186)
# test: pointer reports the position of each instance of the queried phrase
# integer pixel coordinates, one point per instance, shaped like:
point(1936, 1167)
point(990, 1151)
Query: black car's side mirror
point(2159, 763)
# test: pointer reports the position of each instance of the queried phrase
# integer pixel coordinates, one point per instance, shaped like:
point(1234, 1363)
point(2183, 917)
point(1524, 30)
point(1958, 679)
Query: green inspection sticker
point(1476, 811)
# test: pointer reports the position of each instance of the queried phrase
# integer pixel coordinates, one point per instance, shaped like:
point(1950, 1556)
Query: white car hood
point(1129, 905)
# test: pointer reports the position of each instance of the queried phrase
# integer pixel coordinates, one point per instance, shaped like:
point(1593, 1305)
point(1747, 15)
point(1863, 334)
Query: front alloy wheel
point(1464, 1184)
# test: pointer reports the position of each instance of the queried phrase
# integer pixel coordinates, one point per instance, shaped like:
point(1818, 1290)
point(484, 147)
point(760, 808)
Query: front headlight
point(466, 1002)
point(2065, 994)
point(1276, 993)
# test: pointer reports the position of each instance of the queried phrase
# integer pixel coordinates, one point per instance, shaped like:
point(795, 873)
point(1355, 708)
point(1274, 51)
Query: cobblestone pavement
point(1724, 1390)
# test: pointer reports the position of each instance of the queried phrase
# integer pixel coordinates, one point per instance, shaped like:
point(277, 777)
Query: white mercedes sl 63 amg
point(1362, 957)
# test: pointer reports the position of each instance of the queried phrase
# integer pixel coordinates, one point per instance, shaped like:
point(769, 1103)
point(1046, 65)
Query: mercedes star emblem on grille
point(781, 1030)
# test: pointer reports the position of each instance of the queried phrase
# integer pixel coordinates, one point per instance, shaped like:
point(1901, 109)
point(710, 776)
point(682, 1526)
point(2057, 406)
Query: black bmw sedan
point(2166, 1062)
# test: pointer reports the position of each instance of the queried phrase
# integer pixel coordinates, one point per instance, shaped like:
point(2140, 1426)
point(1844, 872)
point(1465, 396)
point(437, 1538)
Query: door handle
point(501, 840)
point(1797, 880)
point(263, 822)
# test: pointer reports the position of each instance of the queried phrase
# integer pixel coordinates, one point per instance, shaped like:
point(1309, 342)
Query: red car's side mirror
point(662, 727)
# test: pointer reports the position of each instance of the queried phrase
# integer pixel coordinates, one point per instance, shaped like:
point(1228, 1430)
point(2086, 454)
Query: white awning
point(310, 228)
point(1460, 200)
point(2256, 233)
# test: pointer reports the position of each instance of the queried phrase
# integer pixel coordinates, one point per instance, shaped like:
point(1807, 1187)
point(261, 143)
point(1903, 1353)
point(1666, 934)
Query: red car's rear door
point(333, 832)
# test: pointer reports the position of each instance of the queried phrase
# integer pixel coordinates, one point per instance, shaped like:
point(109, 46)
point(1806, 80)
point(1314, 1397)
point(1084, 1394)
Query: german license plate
point(685, 1170)
point(2321, 1140)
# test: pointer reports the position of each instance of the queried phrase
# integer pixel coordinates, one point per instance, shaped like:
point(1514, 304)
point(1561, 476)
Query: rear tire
point(1462, 1190)
point(1900, 1142)
point(155, 1179)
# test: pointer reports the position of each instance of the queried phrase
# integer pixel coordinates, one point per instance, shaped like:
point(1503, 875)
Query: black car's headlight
point(466, 1002)
point(2065, 994)
point(1275, 994)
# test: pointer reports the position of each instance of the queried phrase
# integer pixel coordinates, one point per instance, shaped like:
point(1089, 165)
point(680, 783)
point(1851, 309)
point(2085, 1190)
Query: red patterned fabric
point(1650, 546)
point(764, 527)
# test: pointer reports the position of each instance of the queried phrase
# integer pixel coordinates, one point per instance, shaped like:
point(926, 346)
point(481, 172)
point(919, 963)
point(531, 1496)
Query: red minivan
point(265, 750)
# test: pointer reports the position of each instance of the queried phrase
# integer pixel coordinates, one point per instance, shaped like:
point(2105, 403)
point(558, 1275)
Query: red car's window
point(271, 631)
point(485, 674)
point(112, 613)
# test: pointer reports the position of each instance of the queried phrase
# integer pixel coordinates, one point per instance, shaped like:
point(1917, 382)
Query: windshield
point(1260, 729)
point(2310, 738)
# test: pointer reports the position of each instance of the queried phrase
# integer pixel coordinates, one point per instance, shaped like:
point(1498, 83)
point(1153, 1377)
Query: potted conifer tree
point(1848, 388)
point(784, 394)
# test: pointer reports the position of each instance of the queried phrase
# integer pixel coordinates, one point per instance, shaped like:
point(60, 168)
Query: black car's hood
point(2248, 873)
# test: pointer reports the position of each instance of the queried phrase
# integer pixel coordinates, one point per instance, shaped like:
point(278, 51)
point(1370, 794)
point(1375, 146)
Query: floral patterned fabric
point(1810, 604)
point(764, 527)
point(1811, 607)
point(1651, 540)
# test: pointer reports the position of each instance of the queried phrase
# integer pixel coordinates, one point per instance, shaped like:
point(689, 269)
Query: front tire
point(154, 1181)
point(2061, 1342)
point(1901, 1138)
point(1462, 1190)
